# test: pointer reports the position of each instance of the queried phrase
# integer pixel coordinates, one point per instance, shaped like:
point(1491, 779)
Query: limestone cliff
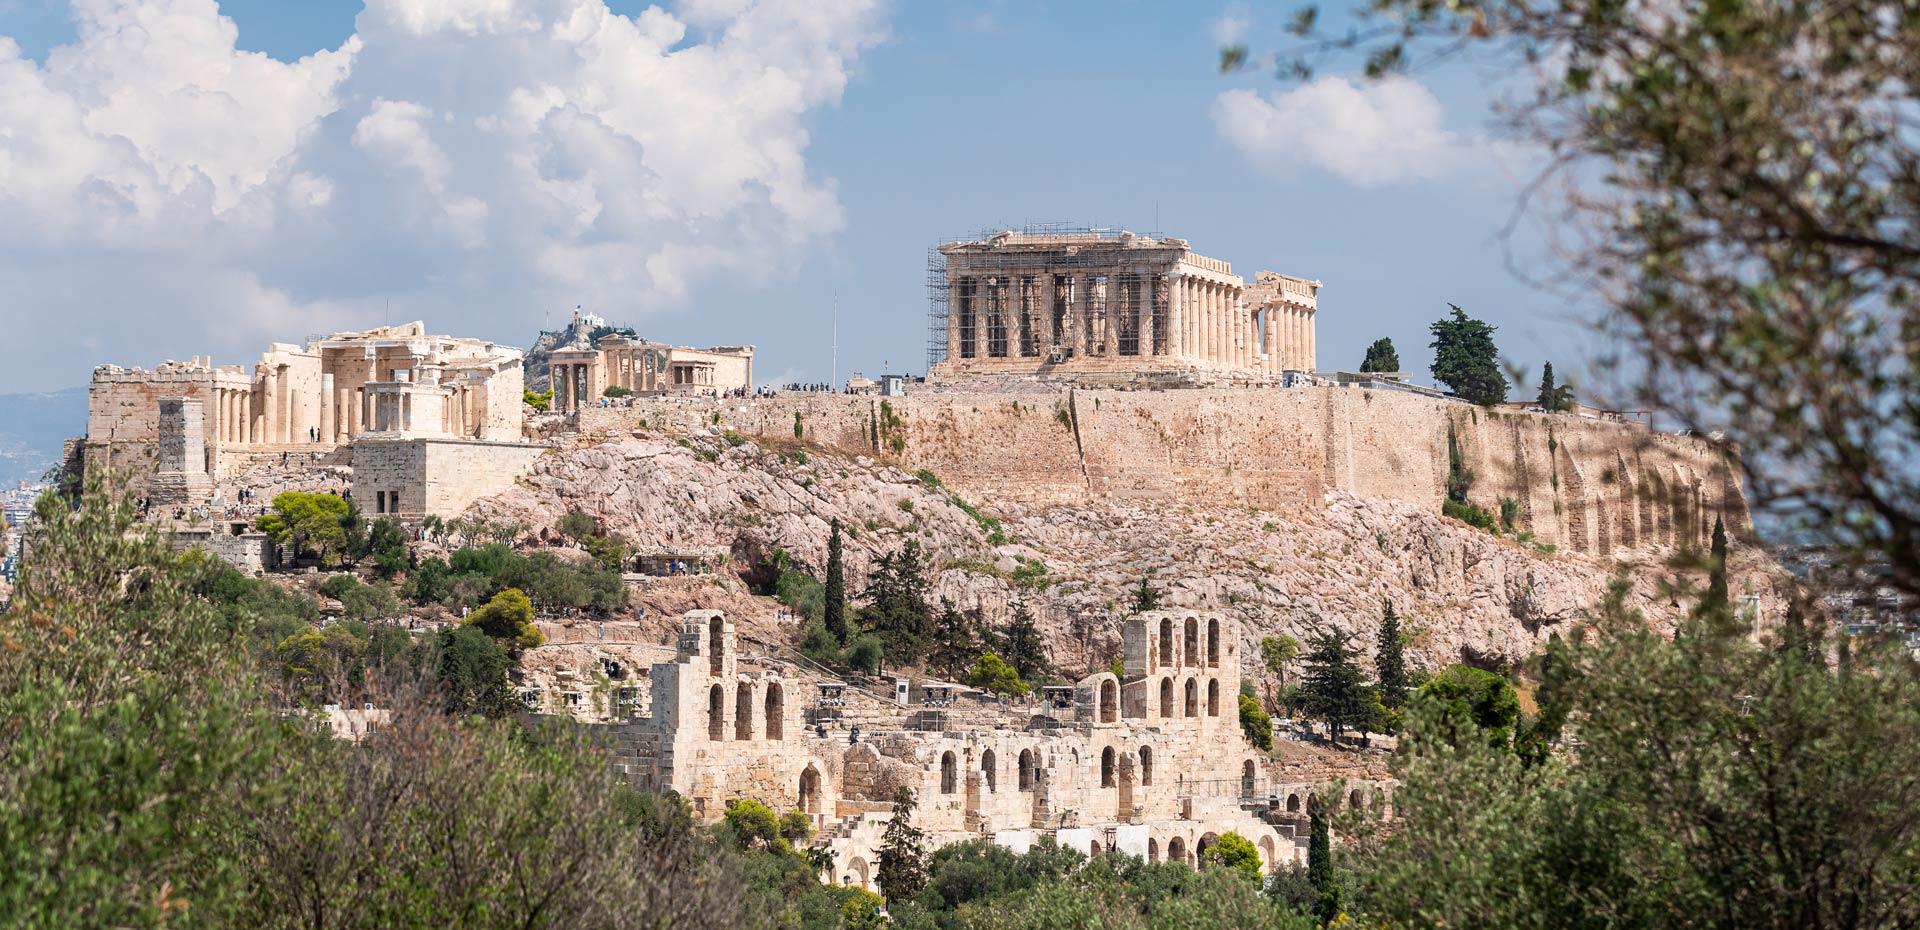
point(1466, 593)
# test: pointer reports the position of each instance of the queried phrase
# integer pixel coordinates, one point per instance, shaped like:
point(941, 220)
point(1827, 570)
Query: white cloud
point(488, 158)
point(1368, 133)
point(1232, 24)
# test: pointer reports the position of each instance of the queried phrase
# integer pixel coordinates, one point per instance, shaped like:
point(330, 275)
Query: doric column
point(1077, 305)
point(1272, 338)
point(270, 399)
point(1217, 316)
point(1113, 312)
point(1176, 314)
point(1011, 306)
point(1306, 318)
point(1046, 295)
point(1146, 289)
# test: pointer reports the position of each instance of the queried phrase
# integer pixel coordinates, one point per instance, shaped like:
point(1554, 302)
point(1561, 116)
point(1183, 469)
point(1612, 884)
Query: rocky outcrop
point(1465, 593)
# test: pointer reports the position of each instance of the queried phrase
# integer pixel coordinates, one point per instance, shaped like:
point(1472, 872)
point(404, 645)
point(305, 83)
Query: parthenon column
point(326, 408)
point(1016, 331)
point(1046, 337)
point(1143, 291)
point(1217, 306)
point(1300, 338)
point(1312, 337)
point(1271, 338)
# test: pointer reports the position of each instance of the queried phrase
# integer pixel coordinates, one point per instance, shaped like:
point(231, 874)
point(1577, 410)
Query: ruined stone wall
point(1586, 484)
point(436, 476)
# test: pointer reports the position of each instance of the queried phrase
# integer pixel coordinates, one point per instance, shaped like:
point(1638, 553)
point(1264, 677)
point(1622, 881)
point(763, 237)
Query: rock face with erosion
point(1465, 593)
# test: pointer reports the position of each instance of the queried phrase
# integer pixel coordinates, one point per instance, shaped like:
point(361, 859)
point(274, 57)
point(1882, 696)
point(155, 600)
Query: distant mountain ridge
point(32, 428)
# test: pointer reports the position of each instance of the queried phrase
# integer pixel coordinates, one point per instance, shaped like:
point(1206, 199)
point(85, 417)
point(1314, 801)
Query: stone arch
point(1355, 800)
point(1207, 841)
point(1026, 770)
point(1166, 698)
point(1267, 863)
point(989, 771)
point(810, 790)
point(743, 712)
point(1193, 698)
point(949, 773)
point(1190, 647)
point(1095, 850)
point(1213, 642)
point(1109, 700)
point(1248, 776)
point(1293, 803)
point(1213, 697)
point(1107, 778)
point(716, 645)
point(1166, 642)
point(857, 873)
point(1153, 849)
point(1379, 801)
point(776, 711)
point(1146, 765)
point(716, 713)
point(1177, 849)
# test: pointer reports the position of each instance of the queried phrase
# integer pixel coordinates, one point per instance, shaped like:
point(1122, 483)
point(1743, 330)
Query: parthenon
point(1049, 300)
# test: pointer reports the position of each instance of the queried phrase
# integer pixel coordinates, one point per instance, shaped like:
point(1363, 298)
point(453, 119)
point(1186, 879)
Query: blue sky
point(788, 153)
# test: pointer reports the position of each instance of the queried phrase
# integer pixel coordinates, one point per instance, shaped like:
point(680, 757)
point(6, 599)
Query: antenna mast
point(836, 340)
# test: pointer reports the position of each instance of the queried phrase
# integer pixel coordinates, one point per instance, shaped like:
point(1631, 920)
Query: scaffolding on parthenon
point(1035, 233)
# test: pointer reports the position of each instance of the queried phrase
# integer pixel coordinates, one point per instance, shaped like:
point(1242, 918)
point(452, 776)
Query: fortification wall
point(1589, 485)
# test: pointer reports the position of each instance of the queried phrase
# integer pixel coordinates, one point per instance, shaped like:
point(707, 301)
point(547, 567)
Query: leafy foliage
point(1020, 643)
point(1554, 398)
point(989, 673)
point(1334, 690)
point(307, 522)
point(1467, 701)
point(902, 868)
point(1390, 663)
point(508, 617)
point(897, 611)
point(1381, 357)
point(1234, 852)
point(1255, 723)
point(1466, 360)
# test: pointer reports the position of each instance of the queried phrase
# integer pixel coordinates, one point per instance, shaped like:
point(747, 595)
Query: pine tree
point(1381, 357)
point(1020, 644)
point(1334, 690)
point(1145, 598)
point(836, 595)
point(953, 644)
point(1390, 664)
point(902, 866)
point(897, 610)
point(1717, 602)
point(1466, 360)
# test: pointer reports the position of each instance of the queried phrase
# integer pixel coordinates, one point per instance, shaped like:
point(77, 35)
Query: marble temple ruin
point(1048, 300)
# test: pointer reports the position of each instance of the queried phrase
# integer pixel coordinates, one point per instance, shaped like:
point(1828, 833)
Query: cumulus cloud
point(478, 161)
point(1367, 133)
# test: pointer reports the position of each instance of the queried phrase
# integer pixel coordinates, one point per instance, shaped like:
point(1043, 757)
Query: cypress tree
point(953, 646)
point(836, 596)
point(1717, 600)
point(1390, 667)
point(1334, 690)
point(1320, 861)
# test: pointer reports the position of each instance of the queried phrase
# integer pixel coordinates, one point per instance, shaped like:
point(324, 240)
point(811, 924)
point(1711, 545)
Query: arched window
point(1153, 849)
point(1166, 642)
point(716, 644)
point(1293, 804)
point(1109, 701)
point(716, 713)
point(810, 790)
point(743, 712)
point(1213, 697)
point(1266, 853)
point(1095, 850)
point(949, 774)
point(1191, 654)
point(1247, 775)
point(1213, 642)
point(1200, 849)
point(1356, 800)
point(776, 711)
point(1176, 850)
point(1026, 770)
point(1193, 697)
point(987, 771)
point(1166, 697)
point(1146, 765)
point(1106, 768)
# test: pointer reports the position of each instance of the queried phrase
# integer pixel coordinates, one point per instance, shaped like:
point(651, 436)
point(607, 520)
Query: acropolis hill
point(1102, 409)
